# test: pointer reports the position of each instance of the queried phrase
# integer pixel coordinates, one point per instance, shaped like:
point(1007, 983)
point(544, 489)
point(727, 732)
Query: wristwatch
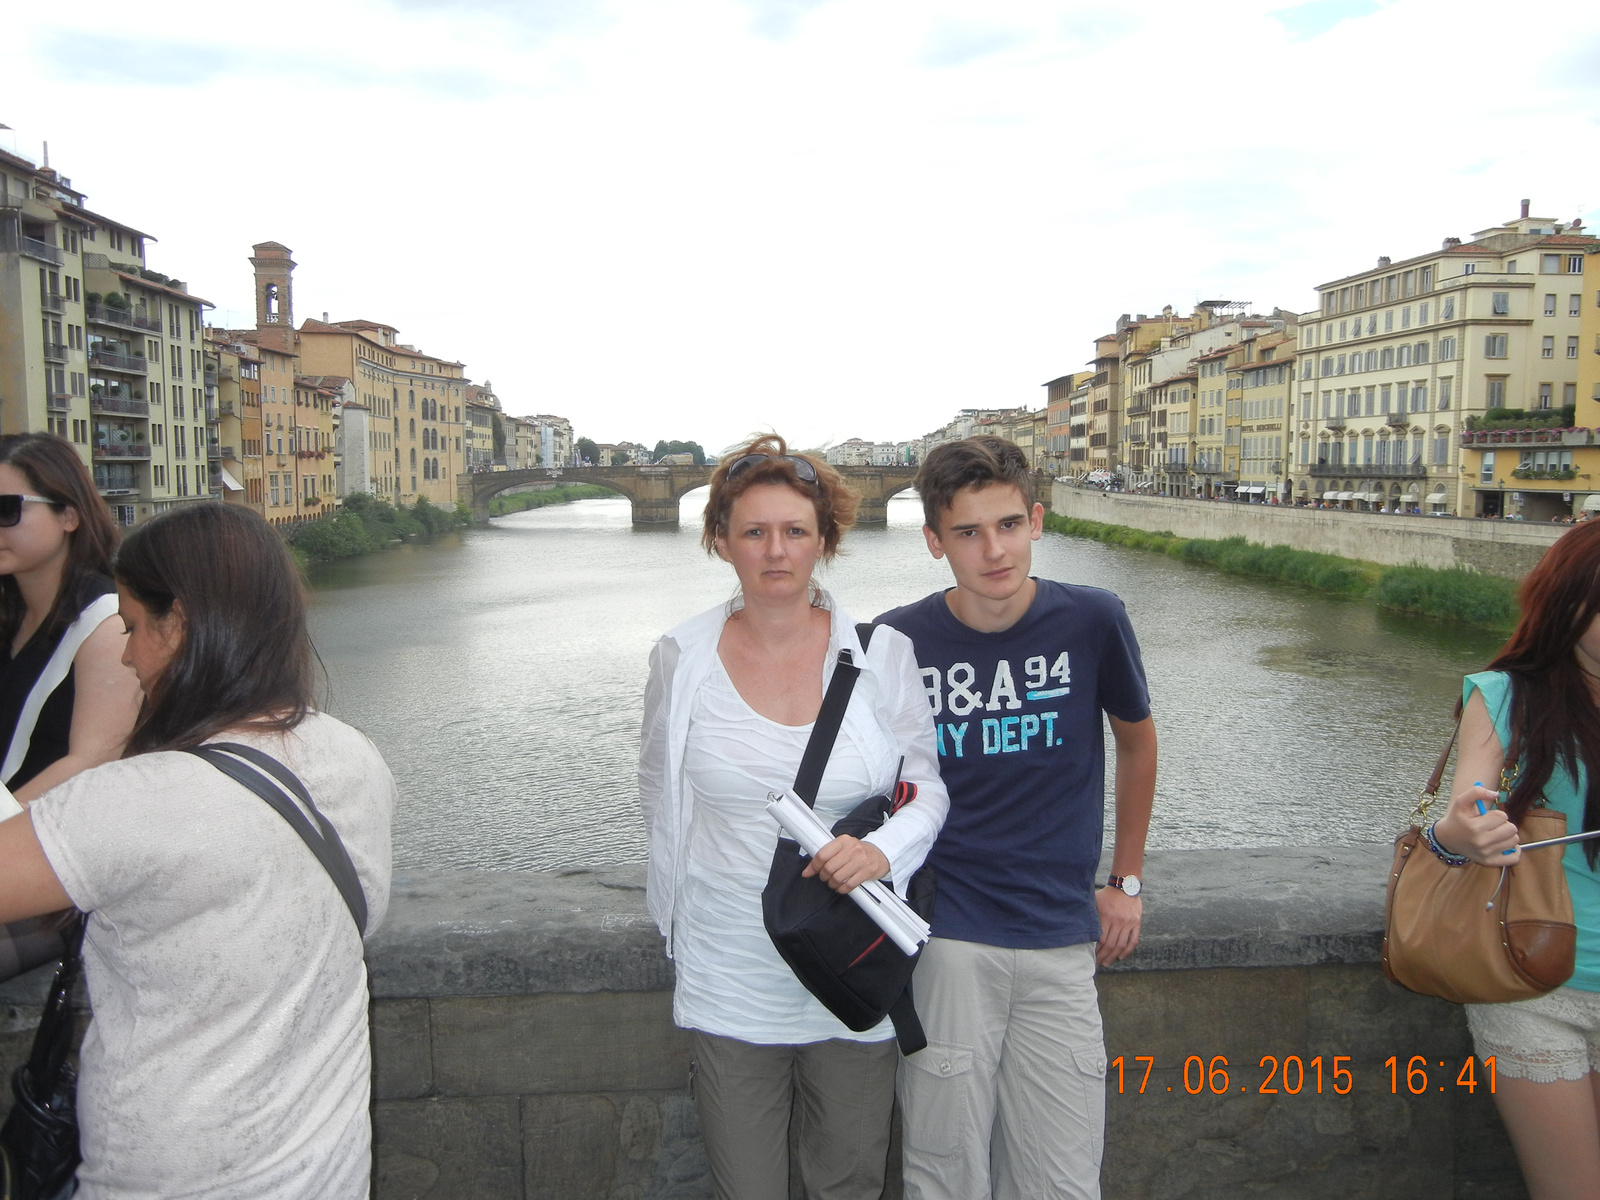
point(1128, 884)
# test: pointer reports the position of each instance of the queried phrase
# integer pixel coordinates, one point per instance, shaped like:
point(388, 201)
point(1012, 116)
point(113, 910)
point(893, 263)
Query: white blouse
point(731, 981)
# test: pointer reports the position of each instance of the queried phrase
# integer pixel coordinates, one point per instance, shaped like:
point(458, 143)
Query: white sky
point(834, 218)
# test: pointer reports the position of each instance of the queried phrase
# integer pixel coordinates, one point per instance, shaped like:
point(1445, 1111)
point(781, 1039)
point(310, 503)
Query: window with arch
point(413, 427)
point(413, 465)
point(412, 394)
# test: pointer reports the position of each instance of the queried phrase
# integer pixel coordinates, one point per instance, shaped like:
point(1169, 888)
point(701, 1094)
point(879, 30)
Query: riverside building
point(1398, 359)
point(99, 348)
point(237, 367)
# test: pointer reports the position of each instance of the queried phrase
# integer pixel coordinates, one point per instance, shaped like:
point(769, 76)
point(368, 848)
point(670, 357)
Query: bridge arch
point(654, 492)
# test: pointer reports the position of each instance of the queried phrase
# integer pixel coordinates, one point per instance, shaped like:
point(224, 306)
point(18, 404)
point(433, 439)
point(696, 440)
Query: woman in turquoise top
point(1540, 698)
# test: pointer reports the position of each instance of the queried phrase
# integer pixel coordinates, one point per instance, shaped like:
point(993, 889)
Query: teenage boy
point(1008, 1099)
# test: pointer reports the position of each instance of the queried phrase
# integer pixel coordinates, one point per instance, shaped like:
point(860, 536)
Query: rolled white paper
point(890, 913)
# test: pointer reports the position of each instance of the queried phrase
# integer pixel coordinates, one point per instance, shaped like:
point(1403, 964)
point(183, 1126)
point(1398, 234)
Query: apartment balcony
point(52, 302)
point(133, 364)
point(1135, 439)
point(1488, 439)
point(1334, 422)
point(58, 402)
point(43, 251)
point(55, 352)
point(121, 450)
point(228, 453)
point(213, 450)
point(106, 314)
point(124, 406)
point(1397, 420)
point(1137, 408)
point(210, 376)
point(1367, 471)
point(227, 374)
point(227, 408)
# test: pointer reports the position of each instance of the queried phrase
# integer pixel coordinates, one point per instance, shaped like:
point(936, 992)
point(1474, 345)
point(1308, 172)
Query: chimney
point(325, 316)
point(1451, 243)
point(1525, 204)
point(1384, 261)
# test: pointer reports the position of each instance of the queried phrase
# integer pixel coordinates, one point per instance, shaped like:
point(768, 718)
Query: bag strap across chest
point(830, 718)
point(324, 840)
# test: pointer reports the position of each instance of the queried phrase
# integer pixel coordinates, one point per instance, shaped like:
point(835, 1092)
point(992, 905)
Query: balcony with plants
point(118, 356)
point(114, 309)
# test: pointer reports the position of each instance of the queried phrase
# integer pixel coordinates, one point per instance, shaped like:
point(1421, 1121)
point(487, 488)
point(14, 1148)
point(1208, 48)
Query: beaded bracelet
point(1448, 859)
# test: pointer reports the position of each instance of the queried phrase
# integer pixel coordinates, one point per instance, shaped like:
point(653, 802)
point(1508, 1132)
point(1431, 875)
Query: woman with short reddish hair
point(1540, 700)
point(729, 708)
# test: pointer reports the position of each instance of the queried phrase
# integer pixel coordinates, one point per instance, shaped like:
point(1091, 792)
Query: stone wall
point(1508, 548)
point(524, 1046)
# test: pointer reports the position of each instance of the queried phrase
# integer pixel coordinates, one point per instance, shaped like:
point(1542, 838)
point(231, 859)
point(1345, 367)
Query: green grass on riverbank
point(516, 502)
point(1453, 595)
point(364, 524)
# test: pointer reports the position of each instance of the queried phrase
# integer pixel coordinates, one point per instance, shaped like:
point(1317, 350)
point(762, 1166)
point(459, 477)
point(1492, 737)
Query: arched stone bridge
point(655, 491)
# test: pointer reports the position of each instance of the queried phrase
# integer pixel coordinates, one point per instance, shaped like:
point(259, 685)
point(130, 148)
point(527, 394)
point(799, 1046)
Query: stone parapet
point(524, 1046)
point(1506, 548)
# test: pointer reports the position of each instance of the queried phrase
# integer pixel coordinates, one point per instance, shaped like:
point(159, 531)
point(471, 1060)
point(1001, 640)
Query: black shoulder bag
point(39, 1142)
point(834, 948)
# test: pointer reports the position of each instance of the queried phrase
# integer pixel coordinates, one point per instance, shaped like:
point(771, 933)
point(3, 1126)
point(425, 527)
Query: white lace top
point(731, 981)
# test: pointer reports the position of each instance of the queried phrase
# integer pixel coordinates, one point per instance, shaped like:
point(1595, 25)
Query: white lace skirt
point(1551, 1037)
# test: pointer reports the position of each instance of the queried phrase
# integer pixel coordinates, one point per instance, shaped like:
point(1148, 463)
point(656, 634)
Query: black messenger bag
point(835, 949)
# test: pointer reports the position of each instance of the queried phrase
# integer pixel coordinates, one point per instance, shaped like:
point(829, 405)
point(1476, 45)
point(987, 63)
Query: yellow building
point(1173, 401)
point(1266, 381)
point(237, 368)
point(1208, 461)
point(1538, 466)
point(1396, 360)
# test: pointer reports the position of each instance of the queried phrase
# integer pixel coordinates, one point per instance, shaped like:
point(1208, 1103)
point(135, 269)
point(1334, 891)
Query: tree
point(499, 437)
point(619, 458)
point(665, 448)
point(588, 451)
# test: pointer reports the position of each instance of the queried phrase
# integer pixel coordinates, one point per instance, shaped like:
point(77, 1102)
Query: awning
point(1591, 502)
point(1252, 490)
point(1330, 495)
point(1413, 494)
point(229, 482)
point(1345, 496)
point(1437, 497)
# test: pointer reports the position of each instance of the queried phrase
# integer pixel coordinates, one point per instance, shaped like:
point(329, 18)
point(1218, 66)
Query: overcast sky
point(834, 218)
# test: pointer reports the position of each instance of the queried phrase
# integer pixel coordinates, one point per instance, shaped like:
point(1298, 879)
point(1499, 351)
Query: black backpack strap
point(907, 1025)
point(324, 841)
point(829, 718)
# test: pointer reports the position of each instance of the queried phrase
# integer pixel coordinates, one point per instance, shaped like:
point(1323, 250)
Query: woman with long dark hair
point(1537, 707)
point(66, 701)
point(228, 1054)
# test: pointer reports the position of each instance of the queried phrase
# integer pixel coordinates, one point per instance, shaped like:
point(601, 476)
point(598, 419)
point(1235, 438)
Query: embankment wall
point(1506, 548)
point(524, 1046)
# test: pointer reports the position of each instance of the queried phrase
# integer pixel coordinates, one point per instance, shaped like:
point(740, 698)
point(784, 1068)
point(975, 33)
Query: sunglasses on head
point(11, 507)
point(802, 467)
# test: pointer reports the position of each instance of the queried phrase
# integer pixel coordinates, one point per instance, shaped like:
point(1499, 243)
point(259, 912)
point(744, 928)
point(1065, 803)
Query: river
point(500, 672)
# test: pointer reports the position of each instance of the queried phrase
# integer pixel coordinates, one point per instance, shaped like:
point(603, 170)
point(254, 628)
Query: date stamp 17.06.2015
point(1295, 1075)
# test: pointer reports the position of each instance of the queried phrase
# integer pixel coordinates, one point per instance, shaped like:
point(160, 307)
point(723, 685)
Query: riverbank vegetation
point(1449, 595)
point(515, 502)
point(363, 524)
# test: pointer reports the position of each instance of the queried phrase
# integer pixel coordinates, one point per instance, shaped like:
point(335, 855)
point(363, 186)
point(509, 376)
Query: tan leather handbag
point(1475, 934)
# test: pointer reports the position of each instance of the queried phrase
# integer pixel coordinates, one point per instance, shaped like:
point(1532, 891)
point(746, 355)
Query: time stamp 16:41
point(1293, 1075)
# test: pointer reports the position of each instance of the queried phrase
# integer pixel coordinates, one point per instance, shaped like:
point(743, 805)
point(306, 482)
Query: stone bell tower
point(274, 296)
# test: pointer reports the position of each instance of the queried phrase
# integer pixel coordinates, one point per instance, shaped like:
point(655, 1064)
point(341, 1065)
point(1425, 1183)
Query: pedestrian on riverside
point(1540, 698)
point(228, 1051)
point(1021, 675)
point(66, 701)
point(728, 712)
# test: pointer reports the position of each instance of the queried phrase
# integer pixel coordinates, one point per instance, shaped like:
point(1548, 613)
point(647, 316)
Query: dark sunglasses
point(11, 507)
point(802, 467)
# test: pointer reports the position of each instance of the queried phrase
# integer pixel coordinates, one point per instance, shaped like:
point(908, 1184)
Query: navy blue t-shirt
point(1022, 751)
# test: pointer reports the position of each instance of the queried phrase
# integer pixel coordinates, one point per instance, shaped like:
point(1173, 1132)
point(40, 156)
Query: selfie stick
point(890, 913)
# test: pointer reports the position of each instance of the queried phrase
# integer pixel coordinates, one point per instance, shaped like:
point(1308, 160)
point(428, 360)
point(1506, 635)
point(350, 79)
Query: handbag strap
point(829, 720)
point(1430, 791)
point(324, 841)
point(52, 1041)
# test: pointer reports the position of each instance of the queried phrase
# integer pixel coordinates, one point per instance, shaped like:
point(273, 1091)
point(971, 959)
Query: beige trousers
point(1008, 1100)
point(840, 1094)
